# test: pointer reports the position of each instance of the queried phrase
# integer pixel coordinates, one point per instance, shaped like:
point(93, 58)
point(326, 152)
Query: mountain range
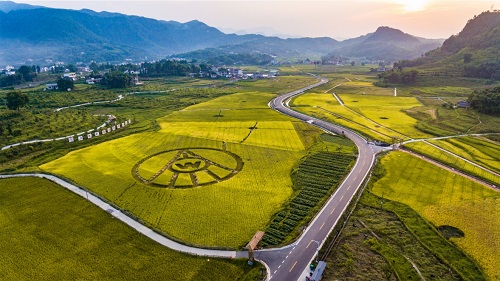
point(33, 35)
point(473, 52)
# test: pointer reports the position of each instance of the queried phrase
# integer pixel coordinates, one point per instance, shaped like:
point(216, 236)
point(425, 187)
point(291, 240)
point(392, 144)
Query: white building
point(51, 87)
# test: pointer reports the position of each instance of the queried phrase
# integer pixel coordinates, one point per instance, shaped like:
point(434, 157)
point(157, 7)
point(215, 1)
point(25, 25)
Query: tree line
point(397, 76)
point(23, 74)
point(486, 101)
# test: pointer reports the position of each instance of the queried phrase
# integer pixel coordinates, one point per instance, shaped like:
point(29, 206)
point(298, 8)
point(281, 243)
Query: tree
point(16, 100)
point(64, 84)
point(486, 101)
point(27, 73)
point(117, 79)
point(467, 58)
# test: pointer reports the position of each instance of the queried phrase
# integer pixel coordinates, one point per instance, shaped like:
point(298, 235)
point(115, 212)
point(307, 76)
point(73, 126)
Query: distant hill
point(387, 44)
point(291, 48)
point(474, 52)
point(85, 35)
point(34, 35)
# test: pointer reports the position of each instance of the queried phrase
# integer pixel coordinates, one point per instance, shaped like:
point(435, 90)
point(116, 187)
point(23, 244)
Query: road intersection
point(288, 262)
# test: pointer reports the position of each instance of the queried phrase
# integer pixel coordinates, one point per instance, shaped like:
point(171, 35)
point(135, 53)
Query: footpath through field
point(289, 262)
point(116, 213)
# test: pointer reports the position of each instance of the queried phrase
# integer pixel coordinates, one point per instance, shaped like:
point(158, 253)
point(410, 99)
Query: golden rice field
point(225, 213)
point(49, 233)
point(444, 198)
point(386, 110)
point(452, 161)
point(481, 151)
point(379, 117)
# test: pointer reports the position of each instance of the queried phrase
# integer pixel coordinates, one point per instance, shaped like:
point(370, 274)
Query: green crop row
point(316, 177)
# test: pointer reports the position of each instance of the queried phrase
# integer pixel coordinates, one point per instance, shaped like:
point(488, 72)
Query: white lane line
point(321, 226)
point(332, 211)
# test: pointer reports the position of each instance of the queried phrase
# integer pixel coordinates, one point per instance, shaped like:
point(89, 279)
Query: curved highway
point(290, 262)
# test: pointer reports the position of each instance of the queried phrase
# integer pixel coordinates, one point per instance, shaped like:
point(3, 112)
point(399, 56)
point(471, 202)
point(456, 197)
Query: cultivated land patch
point(378, 117)
point(446, 199)
point(483, 152)
point(49, 233)
point(376, 244)
point(245, 156)
point(452, 161)
point(386, 110)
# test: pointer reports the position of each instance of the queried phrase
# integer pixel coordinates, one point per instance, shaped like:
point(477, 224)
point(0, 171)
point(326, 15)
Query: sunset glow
point(414, 5)
point(339, 19)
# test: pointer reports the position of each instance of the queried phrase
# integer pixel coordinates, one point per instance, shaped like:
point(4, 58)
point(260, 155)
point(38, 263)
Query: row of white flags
point(99, 133)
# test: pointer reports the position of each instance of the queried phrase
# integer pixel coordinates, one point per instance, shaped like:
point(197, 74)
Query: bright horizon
point(338, 19)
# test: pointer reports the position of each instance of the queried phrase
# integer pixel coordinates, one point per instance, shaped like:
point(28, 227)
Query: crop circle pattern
point(189, 163)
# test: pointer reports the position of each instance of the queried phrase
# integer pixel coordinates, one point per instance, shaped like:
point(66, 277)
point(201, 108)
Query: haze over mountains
point(31, 34)
point(474, 52)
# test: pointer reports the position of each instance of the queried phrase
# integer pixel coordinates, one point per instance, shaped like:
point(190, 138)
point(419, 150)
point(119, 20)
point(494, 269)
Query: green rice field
point(378, 117)
point(49, 233)
point(452, 161)
point(479, 150)
point(444, 198)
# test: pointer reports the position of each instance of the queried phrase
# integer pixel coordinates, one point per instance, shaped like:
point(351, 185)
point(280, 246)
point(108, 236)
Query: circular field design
point(185, 168)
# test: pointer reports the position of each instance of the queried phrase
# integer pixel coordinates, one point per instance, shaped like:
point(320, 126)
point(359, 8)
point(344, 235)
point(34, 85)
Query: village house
point(51, 87)
point(70, 75)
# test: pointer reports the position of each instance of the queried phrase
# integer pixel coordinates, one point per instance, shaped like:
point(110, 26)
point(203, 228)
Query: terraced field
point(446, 199)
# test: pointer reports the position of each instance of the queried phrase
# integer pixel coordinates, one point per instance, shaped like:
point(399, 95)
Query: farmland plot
point(50, 233)
point(482, 152)
point(444, 198)
point(227, 211)
point(452, 161)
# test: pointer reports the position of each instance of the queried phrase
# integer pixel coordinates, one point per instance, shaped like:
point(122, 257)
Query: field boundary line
point(139, 227)
point(453, 170)
point(460, 157)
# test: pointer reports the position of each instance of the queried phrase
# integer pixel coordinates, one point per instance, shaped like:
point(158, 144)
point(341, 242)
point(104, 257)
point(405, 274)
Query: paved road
point(289, 263)
point(116, 213)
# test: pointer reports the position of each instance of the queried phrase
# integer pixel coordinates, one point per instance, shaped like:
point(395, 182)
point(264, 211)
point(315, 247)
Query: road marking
point(283, 262)
point(321, 226)
point(332, 211)
point(309, 244)
point(293, 266)
point(341, 198)
point(275, 271)
point(279, 266)
point(286, 257)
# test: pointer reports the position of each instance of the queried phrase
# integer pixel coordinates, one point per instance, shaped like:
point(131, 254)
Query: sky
point(339, 19)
